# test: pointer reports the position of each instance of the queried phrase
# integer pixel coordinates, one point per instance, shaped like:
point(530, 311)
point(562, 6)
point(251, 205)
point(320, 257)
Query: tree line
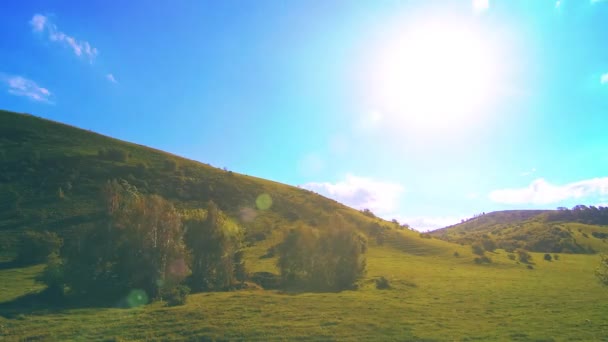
point(144, 243)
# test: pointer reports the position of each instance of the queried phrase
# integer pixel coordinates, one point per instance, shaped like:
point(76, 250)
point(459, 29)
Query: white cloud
point(41, 24)
point(21, 86)
point(111, 78)
point(361, 193)
point(558, 4)
point(480, 5)
point(425, 223)
point(542, 192)
point(604, 78)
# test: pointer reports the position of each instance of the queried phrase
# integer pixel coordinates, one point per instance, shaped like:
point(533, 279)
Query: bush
point(530, 267)
point(482, 260)
point(523, 256)
point(548, 257)
point(477, 249)
point(456, 254)
point(266, 280)
point(35, 247)
point(601, 272)
point(511, 256)
point(555, 256)
point(382, 283)
point(329, 259)
point(426, 236)
point(489, 245)
point(177, 295)
point(170, 165)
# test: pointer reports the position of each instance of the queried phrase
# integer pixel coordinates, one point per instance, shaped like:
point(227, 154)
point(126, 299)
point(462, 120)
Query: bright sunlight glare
point(435, 73)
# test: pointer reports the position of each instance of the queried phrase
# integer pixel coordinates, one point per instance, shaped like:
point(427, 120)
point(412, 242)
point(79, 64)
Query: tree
point(523, 256)
point(601, 272)
point(322, 259)
point(488, 244)
point(477, 249)
point(35, 246)
point(139, 245)
point(214, 242)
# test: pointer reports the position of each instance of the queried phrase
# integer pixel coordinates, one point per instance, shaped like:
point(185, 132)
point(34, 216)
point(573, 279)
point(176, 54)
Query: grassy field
point(434, 296)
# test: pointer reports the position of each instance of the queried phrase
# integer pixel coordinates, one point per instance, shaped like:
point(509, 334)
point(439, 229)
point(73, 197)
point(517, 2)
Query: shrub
point(482, 260)
point(477, 249)
point(523, 256)
point(382, 283)
point(548, 257)
point(267, 280)
point(511, 256)
point(555, 256)
point(601, 272)
point(329, 259)
point(530, 267)
point(426, 236)
point(177, 295)
point(456, 254)
point(35, 246)
point(489, 245)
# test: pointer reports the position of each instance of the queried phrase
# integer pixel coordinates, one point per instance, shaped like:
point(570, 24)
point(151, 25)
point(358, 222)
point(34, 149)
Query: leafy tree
point(214, 242)
point(548, 257)
point(138, 246)
point(328, 259)
point(35, 246)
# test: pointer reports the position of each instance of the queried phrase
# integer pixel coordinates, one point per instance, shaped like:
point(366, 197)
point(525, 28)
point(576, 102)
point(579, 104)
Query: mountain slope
point(567, 231)
point(51, 173)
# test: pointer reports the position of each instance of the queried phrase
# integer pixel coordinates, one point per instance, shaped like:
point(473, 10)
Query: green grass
point(434, 297)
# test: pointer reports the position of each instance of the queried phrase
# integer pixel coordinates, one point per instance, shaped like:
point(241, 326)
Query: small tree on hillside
point(214, 242)
point(328, 259)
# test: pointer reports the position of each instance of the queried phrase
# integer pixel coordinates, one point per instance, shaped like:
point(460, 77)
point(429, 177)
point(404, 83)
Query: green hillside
point(50, 179)
point(51, 175)
point(582, 230)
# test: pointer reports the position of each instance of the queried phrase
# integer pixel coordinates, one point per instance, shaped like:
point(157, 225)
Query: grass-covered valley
point(405, 285)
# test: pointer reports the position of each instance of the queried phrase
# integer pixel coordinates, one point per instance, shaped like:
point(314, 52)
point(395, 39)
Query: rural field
point(434, 296)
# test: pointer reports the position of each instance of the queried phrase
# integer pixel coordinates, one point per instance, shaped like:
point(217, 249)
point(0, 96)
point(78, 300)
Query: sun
point(434, 73)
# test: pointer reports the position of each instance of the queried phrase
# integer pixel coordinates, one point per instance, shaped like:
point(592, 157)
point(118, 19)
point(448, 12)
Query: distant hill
point(580, 230)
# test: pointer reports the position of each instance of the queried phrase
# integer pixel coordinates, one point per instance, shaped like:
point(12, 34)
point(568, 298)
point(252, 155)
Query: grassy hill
point(535, 230)
point(50, 175)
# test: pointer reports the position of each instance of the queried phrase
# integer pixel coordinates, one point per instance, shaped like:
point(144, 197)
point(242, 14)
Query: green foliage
point(488, 244)
point(601, 272)
point(214, 244)
point(35, 247)
point(547, 257)
point(137, 246)
point(176, 295)
point(523, 256)
point(382, 283)
point(328, 259)
point(477, 249)
point(53, 277)
point(483, 260)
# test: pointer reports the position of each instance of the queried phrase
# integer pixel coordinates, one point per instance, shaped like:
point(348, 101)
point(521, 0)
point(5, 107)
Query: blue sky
point(424, 111)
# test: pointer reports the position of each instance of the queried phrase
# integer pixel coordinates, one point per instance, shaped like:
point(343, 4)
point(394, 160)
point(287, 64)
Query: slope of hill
point(535, 230)
point(51, 175)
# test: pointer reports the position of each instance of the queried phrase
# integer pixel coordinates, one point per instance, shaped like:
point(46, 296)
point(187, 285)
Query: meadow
point(434, 296)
